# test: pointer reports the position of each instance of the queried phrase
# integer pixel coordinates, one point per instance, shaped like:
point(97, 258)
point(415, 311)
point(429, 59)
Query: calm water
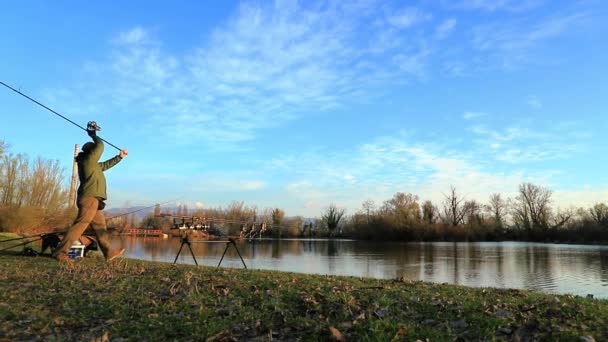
point(575, 269)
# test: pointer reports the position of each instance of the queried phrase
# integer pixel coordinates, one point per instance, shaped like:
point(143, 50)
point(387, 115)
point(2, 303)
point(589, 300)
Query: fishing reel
point(92, 126)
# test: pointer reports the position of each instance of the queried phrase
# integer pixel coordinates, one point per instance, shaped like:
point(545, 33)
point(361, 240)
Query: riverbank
point(138, 300)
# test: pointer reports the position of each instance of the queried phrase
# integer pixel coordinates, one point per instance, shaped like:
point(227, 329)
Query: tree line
point(32, 197)
point(529, 216)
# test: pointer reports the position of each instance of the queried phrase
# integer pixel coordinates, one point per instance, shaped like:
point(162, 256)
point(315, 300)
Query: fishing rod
point(134, 211)
point(44, 235)
point(30, 236)
point(54, 112)
point(23, 243)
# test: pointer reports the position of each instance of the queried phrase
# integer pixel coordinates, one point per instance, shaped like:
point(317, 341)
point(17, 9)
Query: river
point(550, 268)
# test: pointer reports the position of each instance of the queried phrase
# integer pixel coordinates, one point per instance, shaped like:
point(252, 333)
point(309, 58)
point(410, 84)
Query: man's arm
point(113, 161)
point(97, 151)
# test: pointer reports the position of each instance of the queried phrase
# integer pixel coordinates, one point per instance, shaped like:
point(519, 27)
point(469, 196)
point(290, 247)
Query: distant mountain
point(139, 211)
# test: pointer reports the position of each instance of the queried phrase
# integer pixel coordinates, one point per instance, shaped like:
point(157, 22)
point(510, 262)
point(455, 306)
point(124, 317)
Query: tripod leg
point(239, 253)
point(191, 252)
point(180, 250)
point(225, 250)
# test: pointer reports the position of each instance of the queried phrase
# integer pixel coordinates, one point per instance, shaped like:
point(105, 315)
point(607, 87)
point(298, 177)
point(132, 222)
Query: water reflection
point(575, 269)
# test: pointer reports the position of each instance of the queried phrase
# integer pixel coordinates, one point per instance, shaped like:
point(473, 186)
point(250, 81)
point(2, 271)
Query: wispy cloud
point(519, 144)
point(380, 168)
point(407, 17)
point(534, 102)
point(495, 5)
point(511, 41)
point(445, 28)
point(267, 65)
point(136, 35)
point(472, 115)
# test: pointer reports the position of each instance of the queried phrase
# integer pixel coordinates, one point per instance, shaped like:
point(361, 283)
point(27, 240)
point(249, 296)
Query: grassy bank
point(138, 300)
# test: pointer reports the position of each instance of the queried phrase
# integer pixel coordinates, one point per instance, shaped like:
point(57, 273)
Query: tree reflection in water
point(573, 269)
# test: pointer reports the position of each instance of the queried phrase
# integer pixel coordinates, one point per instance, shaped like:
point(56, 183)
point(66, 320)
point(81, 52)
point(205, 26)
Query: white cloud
point(534, 102)
point(511, 41)
point(395, 163)
point(519, 144)
point(250, 185)
point(445, 28)
point(265, 66)
point(136, 35)
point(407, 17)
point(472, 115)
point(495, 5)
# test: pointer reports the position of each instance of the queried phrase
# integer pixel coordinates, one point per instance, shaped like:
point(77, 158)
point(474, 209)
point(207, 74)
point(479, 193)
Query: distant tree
point(37, 185)
point(453, 208)
point(472, 211)
point(497, 208)
point(429, 212)
point(331, 217)
point(599, 214)
point(180, 211)
point(531, 209)
point(368, 208)
point(277, 216)
point(404, 208)
point(132, 220)
point(185, 210)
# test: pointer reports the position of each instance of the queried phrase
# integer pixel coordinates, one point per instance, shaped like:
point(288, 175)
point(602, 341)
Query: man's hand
point(92, 128)
point(123, 153)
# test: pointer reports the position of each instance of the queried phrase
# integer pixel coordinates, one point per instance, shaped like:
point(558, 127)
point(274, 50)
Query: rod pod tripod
point(185, 240)
point(228, 243)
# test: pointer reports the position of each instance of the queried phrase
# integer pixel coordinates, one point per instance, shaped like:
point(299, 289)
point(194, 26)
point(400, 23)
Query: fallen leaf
point(336, 335)
point(102, 338)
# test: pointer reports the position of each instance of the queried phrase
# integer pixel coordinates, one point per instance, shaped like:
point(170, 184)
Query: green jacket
point(90, 171)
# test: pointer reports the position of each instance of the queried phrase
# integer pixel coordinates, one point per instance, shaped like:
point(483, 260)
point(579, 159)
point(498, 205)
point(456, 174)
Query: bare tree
point(368, 207)
point(472, 211)
point(599, 214)
point(562, 217)
point(332, 217)
point(531, 209)
point(453, 208)
point(497, 207)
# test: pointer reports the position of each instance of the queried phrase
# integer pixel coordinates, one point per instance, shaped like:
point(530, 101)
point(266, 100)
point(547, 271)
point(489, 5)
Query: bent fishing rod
point(54, 112)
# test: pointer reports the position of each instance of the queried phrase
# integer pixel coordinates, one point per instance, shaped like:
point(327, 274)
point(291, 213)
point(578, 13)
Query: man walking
point(91, 197)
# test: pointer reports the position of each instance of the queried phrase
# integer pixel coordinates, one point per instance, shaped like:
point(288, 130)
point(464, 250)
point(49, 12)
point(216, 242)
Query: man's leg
point(87, 208)
point(99, 225)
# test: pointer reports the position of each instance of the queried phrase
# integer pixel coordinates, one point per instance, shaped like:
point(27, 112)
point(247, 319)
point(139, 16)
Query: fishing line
point(31, 236)
point(54, 112)
point(134, 211)
point(21, 244)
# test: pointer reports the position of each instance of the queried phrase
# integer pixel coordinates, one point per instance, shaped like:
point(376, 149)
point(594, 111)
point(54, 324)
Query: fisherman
point(91, 197)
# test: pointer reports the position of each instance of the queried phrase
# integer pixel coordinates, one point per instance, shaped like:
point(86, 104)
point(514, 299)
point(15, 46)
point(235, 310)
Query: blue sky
point(303, 104)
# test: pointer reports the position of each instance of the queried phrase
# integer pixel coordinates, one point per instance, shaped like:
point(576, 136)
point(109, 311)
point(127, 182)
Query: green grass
point(41, 299)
